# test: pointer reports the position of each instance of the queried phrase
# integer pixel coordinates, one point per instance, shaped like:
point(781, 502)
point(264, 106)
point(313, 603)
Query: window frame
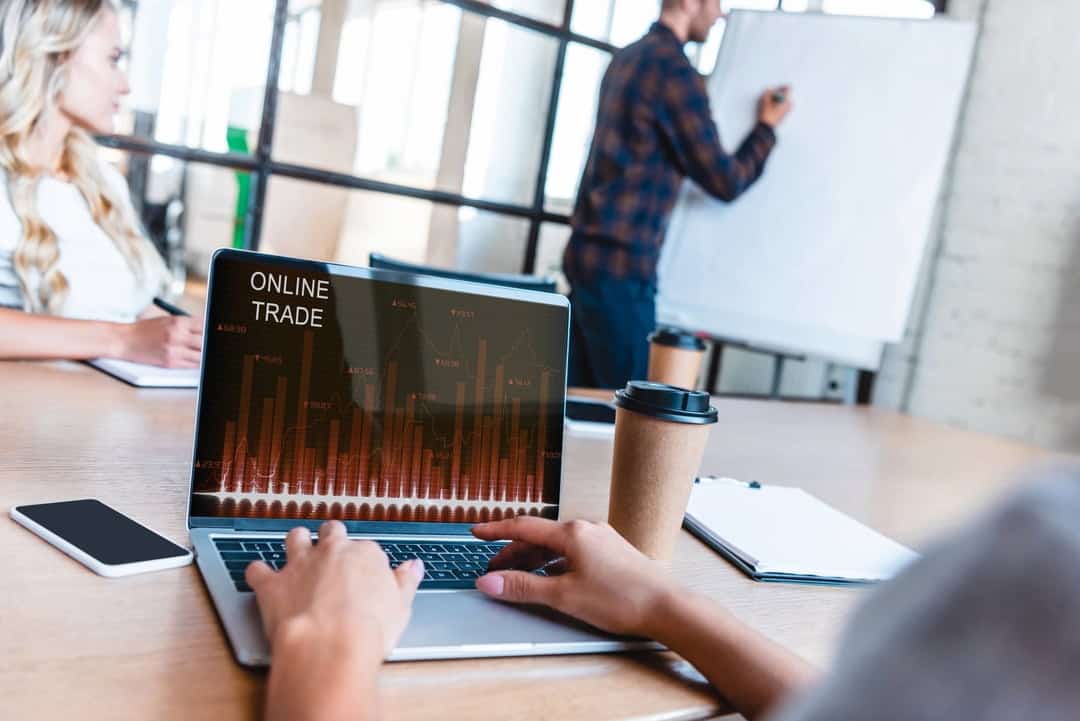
point(262, 166)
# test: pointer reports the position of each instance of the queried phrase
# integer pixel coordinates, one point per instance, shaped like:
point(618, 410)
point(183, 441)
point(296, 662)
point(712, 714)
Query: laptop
point(410, 408)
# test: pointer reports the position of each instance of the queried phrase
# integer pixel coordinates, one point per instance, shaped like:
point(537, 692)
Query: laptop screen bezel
point(373, 528)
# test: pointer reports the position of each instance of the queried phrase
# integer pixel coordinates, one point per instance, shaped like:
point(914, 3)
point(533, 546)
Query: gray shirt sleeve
point(986, 627)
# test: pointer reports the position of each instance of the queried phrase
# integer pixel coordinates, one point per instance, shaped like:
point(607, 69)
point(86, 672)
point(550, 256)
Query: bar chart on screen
point(440, 417)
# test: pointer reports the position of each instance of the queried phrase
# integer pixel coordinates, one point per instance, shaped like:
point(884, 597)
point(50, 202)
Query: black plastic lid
point(666, 403)
point(675, 338)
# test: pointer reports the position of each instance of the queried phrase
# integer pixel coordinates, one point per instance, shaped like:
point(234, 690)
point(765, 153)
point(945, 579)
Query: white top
point(102, 285)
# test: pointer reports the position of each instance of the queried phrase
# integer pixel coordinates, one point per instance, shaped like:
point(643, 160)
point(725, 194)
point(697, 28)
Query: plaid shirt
point(653, 128)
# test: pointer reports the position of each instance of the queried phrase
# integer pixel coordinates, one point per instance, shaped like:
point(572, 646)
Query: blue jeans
point(610, 323)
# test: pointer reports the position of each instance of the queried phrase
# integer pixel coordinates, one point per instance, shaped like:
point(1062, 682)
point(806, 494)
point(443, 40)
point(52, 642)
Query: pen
point(169, 307)
point(756, 485)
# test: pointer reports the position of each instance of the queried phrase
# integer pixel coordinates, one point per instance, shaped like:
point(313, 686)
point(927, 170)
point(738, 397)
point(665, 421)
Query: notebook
point(147, 376)
point(783, 534)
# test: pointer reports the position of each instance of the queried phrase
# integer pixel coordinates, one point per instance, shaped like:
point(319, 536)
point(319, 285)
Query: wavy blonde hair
point(36, 37)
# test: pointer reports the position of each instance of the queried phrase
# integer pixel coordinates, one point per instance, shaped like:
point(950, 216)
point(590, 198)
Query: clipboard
point(778, 534)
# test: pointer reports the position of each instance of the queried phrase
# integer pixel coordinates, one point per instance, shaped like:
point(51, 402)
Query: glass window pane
point(214, 205)
point(346, 225)
point(729, 5)
point(574, 125)
point(491, 243)
point(197, 70)
point(619, 22)
point(300, 45)
point(424, 95)
point(883, 8)
point(549, 250)
point(509, 114)
point(550, 11)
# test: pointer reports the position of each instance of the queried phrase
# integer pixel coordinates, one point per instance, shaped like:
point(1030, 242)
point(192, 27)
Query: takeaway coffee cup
point(675, 357)
point(660, 436)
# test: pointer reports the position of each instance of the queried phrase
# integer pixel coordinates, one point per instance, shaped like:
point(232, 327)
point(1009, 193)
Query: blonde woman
point(77, 277)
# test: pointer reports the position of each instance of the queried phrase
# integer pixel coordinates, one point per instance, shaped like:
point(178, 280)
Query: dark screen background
point(105, 534)
point(409, 404)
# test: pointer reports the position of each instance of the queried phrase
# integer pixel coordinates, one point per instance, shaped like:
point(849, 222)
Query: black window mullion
point(540, 194)
point(558, 31)
point(134, 144)
point(260, 178)
point(326, 177)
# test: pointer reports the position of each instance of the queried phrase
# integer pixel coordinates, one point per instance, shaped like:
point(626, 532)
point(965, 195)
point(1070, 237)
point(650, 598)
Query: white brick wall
point(996, 347)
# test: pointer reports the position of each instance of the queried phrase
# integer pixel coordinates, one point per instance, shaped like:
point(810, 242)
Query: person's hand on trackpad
point(593, 573)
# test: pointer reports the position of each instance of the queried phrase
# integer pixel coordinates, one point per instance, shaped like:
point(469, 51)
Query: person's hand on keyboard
point(338, 584)
point(332, 614)
point(591, 572)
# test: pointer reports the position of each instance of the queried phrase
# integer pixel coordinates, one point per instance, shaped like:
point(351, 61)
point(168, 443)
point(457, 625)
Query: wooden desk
point(73, 644)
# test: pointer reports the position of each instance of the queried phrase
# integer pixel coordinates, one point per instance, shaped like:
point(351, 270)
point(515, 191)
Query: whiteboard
point(822, 254)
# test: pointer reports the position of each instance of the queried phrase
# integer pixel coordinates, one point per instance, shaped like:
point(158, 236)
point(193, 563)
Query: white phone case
point(103, 569)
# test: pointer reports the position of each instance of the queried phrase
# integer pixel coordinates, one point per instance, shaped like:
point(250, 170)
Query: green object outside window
point(237, 141)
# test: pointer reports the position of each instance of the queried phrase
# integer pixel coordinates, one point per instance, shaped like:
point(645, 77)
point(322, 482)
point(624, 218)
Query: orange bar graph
point(426, 475)
point(417, 449)
point(476, 440)
point(310, 479)
point(366, 475)
point(242, 444)
point(393, 484)
point(519, 474)
point(541, 436)
point(404, 474)
point(496, 445)
point(228, 455)
point(511, 483)
point(300, 457)
point(385, 457)
point(455, 468)
point(275, 474)
point(350, 471)
point(331, 459)
point(261, 481)
point(391, 445)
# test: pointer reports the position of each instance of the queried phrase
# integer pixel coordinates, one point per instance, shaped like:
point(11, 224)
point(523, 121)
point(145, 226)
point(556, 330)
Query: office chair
point(524, 282)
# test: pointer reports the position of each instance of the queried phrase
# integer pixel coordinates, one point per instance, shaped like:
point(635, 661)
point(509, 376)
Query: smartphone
point(100, 537)
point(589, 410)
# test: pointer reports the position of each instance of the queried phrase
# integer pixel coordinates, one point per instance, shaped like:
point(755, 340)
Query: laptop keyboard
point(446, 565)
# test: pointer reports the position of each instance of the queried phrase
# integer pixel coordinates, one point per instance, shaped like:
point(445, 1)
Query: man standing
point(654, 127)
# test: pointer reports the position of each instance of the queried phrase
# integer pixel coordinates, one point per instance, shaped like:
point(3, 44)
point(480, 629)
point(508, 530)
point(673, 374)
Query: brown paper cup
point(677, 367)
point(654, 468)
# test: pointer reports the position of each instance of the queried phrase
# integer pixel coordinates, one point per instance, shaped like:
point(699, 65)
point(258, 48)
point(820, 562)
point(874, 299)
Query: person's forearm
point(26, 336)
point(324, 676)
point(747, 669)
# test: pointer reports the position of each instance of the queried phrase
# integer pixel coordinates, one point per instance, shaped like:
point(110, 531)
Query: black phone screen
point(98, 530)
point(579, 409)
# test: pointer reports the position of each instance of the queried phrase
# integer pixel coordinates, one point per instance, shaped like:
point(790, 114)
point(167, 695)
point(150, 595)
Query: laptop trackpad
point(465, 623)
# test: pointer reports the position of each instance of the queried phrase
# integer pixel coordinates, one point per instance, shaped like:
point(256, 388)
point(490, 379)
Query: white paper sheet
point(778, 530)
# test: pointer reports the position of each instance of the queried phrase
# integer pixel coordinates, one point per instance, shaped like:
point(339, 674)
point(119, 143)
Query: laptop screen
point(333, 392)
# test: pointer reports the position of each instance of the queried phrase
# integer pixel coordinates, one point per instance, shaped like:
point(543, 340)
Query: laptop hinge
point(203, 522)
point(254, 524)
